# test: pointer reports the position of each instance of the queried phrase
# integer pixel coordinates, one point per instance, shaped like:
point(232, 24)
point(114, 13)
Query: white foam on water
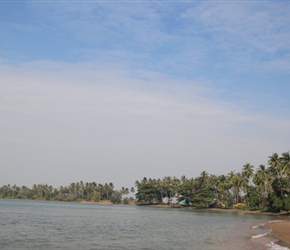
point(257, 226)
point(271, 244)
point(261, 235)
point(274, 246)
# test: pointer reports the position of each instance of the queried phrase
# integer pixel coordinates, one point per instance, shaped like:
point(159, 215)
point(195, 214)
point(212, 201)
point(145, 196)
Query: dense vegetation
point(266, 188)
point(76, 191)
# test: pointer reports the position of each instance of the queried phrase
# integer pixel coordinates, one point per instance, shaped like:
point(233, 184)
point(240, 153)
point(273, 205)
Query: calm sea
point(60, 225)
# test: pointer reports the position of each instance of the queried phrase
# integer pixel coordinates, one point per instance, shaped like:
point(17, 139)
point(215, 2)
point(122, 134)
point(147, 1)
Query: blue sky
point(118, 90)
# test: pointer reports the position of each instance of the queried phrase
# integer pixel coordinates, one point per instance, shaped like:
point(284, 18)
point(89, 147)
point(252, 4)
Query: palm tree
point(223, 187)
point(167, 184)
point(87, 191)
point(276, 169)
point(77, 190)
point(235, 182)
point(72, 191)
point(275, 165)
point(285, 162)
point(111, 188)
point(247, 174)
point(106, 187)
point(101, 190)
point(82, 188)
point(124, 191)
point(159, 186)
point(175, 186)
point(202, 180)
point(213, 184)
point(263, 180)
point(248, 171)
point(137, 185)
point(240, 182)
point(187, 188)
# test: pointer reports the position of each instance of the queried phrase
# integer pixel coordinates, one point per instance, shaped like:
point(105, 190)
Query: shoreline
point(281, 230)
point(284, 215)
point(280, 226)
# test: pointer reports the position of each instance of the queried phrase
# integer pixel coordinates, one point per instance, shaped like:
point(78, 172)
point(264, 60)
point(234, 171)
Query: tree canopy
point(266, 188)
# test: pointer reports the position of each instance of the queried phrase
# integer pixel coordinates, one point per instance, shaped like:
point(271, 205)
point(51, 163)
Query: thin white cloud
point(66, 122)
point(169, 37)
point(246, 35)
point(147, 104)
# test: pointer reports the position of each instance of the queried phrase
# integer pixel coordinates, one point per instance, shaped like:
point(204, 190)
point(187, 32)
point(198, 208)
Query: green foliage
point(76, 191)
point(267, 188)
point(203, 198)
point(125, 201)
point(115, 200)
point(281, 186)
point(254, 200)
point(96, 196)
point(116, 197)
point(277, 203)
point(287, 204)
point(148, 194)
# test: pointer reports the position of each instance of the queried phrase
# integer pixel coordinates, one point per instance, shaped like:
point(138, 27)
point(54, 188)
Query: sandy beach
point(281, 230)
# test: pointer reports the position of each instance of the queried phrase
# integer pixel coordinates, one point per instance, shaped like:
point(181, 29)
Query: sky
point(114, 91)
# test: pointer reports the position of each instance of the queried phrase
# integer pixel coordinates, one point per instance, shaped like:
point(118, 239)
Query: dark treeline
point(266, 188)
point(76, 191)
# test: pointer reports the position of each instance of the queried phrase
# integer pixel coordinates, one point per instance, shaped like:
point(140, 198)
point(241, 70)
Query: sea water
point(61, 225)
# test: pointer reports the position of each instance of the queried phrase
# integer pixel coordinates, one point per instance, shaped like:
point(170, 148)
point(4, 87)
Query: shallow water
point(60, 225)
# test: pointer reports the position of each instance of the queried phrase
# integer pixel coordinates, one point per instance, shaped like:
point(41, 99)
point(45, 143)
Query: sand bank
point(281, 230)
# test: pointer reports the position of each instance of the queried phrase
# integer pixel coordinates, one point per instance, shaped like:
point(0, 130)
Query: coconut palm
point(235, 182)
point(168, 187)
point(213, 182)
point(263, 180)
point(275, 165)
point(276, 170)
point(160, 188)
point(223, 188)
point(247, 174)
point(248, 171)
point(285, 162)
point(203, 179)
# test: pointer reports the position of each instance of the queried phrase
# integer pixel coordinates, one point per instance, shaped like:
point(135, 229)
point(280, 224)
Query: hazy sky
point(112, 91)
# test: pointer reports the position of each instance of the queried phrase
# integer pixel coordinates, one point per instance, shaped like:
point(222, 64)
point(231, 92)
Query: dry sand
point(281, 230)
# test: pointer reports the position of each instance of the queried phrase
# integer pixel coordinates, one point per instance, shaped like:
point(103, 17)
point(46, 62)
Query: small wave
point(274, 246)
point(256, 226)
point(261, 235)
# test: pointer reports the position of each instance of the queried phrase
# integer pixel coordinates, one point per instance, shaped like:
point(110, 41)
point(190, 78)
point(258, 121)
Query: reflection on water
point(60, 225)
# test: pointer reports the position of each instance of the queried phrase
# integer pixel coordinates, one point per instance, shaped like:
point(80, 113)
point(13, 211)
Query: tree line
point(264, 188)
point(76, 191)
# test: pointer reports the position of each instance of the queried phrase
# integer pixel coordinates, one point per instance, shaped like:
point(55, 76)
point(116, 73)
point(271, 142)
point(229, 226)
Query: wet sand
point(281, 230)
